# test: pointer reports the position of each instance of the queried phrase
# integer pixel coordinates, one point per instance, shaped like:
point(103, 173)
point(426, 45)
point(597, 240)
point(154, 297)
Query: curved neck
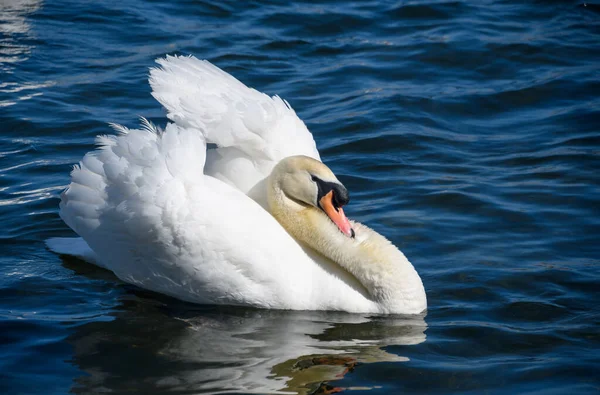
point(377, 264)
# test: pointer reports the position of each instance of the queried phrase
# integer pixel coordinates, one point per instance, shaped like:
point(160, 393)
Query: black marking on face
point(340, 193)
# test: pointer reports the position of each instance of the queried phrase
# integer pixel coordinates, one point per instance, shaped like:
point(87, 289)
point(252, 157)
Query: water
point(466, 132)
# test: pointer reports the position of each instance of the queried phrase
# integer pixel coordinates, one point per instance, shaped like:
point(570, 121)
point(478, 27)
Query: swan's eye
point(313, 178)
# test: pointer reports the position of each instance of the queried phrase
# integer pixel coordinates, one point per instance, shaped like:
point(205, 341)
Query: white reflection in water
point(14, 25)
point(233, 349)
point(288, 351)
point(15, 47)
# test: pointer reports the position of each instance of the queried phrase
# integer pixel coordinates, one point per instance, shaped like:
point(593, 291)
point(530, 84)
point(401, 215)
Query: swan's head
point(306, 183)
point(306, 198)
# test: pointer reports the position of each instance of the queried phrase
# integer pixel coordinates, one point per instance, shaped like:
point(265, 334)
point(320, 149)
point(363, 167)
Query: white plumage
point(253, 131)
point(160, 212)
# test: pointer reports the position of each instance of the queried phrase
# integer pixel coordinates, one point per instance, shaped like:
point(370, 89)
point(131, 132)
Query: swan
point(255, 220)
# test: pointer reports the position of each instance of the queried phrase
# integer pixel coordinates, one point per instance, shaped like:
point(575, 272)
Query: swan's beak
point(336, 214)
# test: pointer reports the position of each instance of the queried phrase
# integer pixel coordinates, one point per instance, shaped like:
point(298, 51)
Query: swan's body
point(161, 212)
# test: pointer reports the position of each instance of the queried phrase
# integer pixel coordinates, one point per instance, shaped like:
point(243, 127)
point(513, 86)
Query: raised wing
point(252, 130)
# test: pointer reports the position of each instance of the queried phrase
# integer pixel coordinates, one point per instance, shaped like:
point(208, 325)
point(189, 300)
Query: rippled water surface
point(467, 132)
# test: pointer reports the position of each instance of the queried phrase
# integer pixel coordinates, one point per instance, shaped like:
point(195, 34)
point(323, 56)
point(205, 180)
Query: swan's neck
point(377, 264)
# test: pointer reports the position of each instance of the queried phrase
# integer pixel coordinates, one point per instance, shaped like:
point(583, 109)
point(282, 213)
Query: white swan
point(162, 212)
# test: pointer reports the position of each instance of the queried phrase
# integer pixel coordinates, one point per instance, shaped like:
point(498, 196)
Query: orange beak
point(336, 214)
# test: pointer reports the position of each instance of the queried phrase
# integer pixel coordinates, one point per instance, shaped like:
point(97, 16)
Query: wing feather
point(253, 131)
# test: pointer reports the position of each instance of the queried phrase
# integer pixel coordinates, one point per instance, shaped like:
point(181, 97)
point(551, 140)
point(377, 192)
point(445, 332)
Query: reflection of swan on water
point(150, 346)
point(289, 351)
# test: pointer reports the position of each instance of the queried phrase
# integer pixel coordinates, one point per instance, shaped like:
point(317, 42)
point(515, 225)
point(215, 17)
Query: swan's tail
point(74, 246)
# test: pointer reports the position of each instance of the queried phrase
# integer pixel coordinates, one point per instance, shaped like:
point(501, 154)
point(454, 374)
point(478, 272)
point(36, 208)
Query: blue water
point(467, 132)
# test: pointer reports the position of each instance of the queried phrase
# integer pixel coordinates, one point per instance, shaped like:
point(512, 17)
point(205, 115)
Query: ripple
point(466, 133)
